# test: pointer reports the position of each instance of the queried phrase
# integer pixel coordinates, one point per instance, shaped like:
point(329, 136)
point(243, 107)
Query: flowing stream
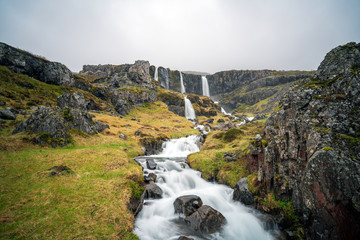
point(205, 86)
point(157, 219)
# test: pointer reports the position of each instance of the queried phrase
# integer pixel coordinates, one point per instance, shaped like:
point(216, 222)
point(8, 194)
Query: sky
point(187, 35)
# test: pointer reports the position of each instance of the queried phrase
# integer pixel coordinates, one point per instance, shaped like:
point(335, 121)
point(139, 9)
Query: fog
point(198, 35)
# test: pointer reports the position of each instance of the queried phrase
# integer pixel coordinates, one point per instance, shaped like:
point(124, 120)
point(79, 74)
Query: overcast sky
point(199, 35)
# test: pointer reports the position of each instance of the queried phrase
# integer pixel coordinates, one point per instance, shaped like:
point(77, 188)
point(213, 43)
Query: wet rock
point(152, 191)
point(151, 177)
point(206, 220)
point(151, 164)
point(242, 193)
point(7, 114)
point(184, 238)
point(224, 126)
point(123, 136)
point(187, 204)
point(152, 145)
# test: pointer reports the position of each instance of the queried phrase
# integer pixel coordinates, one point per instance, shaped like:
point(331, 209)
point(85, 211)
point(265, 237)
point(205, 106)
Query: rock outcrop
point(53, 124)
point(20, 61)
point(313, 153)
point(242, 193)
point(126, 85)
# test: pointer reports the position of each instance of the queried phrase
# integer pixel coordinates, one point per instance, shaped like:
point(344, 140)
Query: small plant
point(327, 149)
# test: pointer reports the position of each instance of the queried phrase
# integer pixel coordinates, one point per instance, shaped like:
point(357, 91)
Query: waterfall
point(156, 74)
point(182, 83)
point(205, 86)
point(189, 110)
point(158, 220)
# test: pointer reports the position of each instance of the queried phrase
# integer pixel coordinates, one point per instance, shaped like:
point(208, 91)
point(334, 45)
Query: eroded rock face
point(187, 204)
point(313, 155)
point(126, 86)
point(54, 123)
point(242, 193)
point(37, 67)
point(206, 220)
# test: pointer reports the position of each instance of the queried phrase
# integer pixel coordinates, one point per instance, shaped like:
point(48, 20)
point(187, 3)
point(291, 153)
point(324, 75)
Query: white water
point(182, 83)
point(205, 86)
point(156, 74)
point(157, 219)
point(189, 110)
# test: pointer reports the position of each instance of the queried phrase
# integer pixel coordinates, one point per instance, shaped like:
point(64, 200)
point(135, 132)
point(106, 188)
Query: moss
point(328, 149)
point(323, 130)
point(264, 142)
point(278, 108)
point(67, 115)
point(137, 90)
point(232, 134)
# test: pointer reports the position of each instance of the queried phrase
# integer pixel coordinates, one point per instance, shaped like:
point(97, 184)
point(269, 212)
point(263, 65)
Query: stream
point(157, 220)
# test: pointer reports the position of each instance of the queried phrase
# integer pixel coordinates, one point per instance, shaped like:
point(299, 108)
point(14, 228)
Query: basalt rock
point(151, 164)
point(187, 204)
point(313, 152)
point(8, 114)
point(20, 61)
point(242, 193)
point(206, 220)
point(152, 191)
point(54, 124)
point(224, 126)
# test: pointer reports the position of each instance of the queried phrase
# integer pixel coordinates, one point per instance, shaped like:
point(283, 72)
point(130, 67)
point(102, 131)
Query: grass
point(210, 160)
point(92, 202)
point(21, 91)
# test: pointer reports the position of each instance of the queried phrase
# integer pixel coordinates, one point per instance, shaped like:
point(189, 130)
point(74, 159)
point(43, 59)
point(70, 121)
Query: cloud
point(203, 35)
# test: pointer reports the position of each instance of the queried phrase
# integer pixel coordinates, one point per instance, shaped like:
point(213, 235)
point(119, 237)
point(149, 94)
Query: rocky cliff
point(312, 157)
point(255, 91)
point(23, 62)
point(126, 85)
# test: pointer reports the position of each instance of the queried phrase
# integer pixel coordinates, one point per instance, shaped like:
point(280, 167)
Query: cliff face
point(125, 85)
point(313, 152)
point(227, 81)
point(37, 67)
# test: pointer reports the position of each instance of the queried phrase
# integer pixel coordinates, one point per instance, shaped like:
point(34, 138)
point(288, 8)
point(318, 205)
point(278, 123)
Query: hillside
point(68, 143)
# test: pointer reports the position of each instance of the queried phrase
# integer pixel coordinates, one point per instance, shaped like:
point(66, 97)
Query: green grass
point(210, 161)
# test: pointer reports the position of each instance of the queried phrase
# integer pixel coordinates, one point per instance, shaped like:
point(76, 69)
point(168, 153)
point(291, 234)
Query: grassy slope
point(210, 160)
point(92, 202)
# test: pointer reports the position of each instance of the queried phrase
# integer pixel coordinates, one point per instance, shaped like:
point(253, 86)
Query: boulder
point(187, 204)
point(152, 191)
point(242, 193)
point(206, 220)
point(151, 164)
point(100, 126)
point(123, 136)
point(72, 100)
point(224, 126)
point(7, 114)
point(151, 177)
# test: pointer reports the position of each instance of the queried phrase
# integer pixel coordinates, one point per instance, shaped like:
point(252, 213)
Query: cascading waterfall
point(182, 83)
point(156, 74)
point(157, 219)
point(205, 86)
point(189, 110)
